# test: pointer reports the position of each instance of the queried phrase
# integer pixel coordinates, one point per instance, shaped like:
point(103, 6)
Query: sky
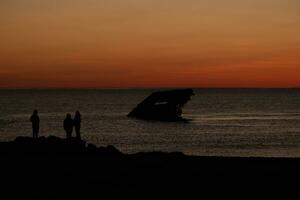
point(149, 43)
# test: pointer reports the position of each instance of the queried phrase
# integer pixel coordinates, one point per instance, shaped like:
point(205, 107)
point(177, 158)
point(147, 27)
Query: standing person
point(77, 124)
point(35, 121)
point(68, 125)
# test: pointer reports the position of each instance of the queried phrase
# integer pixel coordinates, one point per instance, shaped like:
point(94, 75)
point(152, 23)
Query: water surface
point(235, 122)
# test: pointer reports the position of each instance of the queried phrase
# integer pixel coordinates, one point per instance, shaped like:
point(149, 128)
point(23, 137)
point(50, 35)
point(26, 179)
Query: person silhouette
point(77, 124)
point(68, 125)
point(35, 121)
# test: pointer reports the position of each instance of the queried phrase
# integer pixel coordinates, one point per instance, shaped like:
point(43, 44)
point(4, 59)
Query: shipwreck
point(163, 105)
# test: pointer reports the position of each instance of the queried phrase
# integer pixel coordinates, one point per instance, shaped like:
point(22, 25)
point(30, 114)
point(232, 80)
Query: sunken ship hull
point(163, 105)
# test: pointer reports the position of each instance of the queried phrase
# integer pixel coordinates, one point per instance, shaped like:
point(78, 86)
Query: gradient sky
point(149, 43)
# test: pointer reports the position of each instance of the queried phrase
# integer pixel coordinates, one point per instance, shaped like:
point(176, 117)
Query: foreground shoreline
point(54, 168)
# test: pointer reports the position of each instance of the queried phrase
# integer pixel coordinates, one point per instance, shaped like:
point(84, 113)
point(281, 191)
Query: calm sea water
point(235, 122)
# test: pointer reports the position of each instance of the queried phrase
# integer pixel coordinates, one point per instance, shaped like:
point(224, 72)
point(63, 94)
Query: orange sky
point(149, 43)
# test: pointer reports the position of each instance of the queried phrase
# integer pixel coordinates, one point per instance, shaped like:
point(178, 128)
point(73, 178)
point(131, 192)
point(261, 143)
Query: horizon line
point(140, 88)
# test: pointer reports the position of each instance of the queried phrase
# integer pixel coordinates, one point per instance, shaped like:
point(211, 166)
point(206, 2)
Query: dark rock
point(57, 168)
point(53, 145)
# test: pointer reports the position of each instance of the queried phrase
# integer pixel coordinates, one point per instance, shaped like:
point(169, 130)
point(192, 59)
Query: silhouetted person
point(68, 125)
point(35, 120)
point(77, 124)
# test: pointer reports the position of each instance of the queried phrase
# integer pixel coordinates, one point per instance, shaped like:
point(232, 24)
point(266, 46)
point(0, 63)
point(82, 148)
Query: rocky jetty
point(54, 145)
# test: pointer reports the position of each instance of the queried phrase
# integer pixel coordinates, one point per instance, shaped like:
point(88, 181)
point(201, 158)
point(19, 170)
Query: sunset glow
point(149, 43)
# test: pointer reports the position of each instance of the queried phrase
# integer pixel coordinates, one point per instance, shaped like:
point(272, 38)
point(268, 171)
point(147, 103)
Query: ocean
point(223, 122)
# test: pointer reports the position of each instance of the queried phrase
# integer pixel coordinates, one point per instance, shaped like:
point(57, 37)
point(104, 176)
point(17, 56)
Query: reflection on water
point(223, 122)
